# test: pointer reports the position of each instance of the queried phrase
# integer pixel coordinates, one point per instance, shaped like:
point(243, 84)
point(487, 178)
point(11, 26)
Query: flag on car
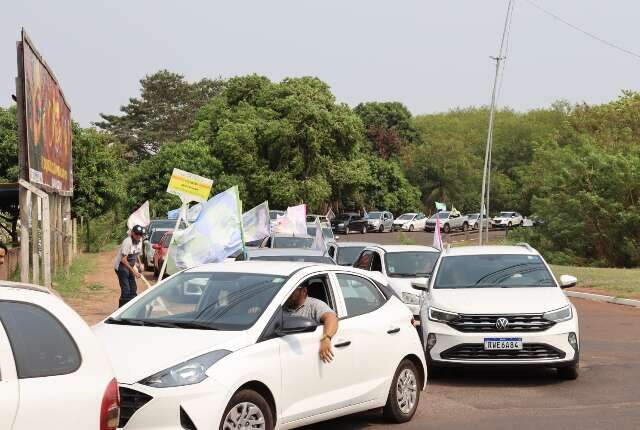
point(140, 216)
point(330, 214)
point(215, 234)
point(437, 237)
point(319, 242)
point(256, 222)
point(440, 207)
point(293, 222)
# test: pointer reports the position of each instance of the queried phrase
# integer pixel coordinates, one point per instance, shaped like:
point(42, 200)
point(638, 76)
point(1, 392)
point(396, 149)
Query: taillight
point(110, 409)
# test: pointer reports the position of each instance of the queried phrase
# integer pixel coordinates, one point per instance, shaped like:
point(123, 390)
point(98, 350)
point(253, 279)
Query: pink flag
point(437, 238)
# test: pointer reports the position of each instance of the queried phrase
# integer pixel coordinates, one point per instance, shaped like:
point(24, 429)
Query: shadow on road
point(496, 377)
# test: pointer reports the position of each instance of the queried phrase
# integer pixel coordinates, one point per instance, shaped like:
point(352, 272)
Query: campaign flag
point(440, 207)
point(256, 222)
point(454, 211)
point(174, 214)
point(297, 216)
point(215, 234)
point(437, 237)
point(330, 214)
point(140, 216)
point(319, 242)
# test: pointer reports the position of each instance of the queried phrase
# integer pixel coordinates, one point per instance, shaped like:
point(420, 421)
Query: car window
point(410, 264)
point(331, 251)
point(157, 235)
point(293, 242)
point(364, 261)
point(220, 300)
point(376, 263)
point(347, 255)
point(41, 345)
point(360, 295)
point(167, 240)
point(493, 270)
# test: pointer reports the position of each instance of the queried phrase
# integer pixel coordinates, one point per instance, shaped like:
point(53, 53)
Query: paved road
point(605, 396)
point(417, 237)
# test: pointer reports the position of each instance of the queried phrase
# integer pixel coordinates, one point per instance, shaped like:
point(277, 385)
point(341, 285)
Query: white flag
point(140, 216)
point(437, 237)
point(256, 222)
point(319, 242)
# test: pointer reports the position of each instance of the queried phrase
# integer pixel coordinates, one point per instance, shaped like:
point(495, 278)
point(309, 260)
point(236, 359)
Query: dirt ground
point(93, 304)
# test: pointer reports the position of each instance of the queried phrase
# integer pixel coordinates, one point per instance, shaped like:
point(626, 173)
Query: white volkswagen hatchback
point(499, 305)
point(54, 374)
point(211, 348)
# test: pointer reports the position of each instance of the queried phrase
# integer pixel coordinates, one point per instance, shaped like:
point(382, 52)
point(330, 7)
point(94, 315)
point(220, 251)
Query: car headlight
point(559, 315)
point(341, 224)
point(186, 373)
point(442, 316)
point(410, 298)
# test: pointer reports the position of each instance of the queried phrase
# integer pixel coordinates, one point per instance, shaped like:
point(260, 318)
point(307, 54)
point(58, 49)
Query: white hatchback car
point(54, 374)
point(402, 265)
point(211, 348)
point(499, 305)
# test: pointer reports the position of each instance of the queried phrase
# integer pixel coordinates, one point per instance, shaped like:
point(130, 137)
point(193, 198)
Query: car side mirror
point(420, 284)
point(156, 246)
point(568, 281)
point(292, 324)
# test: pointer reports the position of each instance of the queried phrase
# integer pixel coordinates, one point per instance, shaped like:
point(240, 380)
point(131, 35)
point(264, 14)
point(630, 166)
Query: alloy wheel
point(244, 416)
point(406, 391)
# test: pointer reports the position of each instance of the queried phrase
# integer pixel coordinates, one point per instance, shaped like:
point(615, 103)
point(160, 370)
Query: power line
point(586, 33)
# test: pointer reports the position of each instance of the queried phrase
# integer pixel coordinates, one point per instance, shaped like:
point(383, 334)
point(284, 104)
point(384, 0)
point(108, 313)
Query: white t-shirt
point(127, 248)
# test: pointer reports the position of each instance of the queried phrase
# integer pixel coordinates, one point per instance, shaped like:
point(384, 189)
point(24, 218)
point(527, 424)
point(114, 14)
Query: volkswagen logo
point(502, 323)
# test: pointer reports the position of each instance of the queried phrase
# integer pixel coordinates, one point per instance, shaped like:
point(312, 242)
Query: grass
point(405, 240)
point(72, 284)
point(616, 282)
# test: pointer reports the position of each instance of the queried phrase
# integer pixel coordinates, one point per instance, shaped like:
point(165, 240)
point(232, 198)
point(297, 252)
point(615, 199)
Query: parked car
point(379, 221)
point(507, 219)
point(474, 221)
point(160, 223)
point(346, 253)
point(311, 219)
point(287, 254)
point(410, 222)
point(283, 240)
point(160, 250)
point(211, 347)
point(499, 305)
point(51, 364)
point(147, 247)
point(532, 221)
point(448, 221)
point(327, 231)
point(402, 265)
point(349, 222)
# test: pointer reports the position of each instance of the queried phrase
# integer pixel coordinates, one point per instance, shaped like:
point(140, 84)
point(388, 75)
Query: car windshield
point(494, 270)
point(293, 242)
point(441, 215)
point(374, 215)
point(406, 217)
point(156, 236)
point(473, 216)
point(410, 264)
point(505, 214)
point(342, 217)
point(215, 301)
point(348, 255)
point(324, 259)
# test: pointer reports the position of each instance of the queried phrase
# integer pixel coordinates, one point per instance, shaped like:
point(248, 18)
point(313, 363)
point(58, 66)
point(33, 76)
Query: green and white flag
point(440, 207)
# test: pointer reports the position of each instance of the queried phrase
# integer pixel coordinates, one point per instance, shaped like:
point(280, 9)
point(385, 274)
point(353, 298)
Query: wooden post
point(23, 168)
point(46, 242)
point(35, 254)
point(66, 233)
point(74, 227)
point(24, 235)
point(54, 233)
point(59, 230)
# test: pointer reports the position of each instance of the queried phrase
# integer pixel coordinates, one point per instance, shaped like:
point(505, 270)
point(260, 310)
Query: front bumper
point(554, 339)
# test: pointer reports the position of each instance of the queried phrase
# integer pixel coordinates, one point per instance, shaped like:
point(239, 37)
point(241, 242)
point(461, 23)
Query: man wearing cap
point(127, 264)
point(299, 304)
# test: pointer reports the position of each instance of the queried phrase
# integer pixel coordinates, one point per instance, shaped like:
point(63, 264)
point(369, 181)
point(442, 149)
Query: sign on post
point(189, 187)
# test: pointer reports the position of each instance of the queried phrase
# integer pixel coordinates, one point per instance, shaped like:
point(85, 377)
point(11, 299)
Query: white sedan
point(54, 374)
point(410, 222)
point(211, 348)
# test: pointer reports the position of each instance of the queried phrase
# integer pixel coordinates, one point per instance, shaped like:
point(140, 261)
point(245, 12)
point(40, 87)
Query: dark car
point(348, 222)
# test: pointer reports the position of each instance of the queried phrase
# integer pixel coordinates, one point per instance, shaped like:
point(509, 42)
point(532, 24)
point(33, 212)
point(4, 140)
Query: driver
point(299, 304)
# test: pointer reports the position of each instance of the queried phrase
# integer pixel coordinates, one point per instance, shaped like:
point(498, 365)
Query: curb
point(604, 299)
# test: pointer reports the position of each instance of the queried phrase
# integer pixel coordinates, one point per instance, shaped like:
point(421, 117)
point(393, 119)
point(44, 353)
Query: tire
point(411, 227)
point(381, 229)
point(570, 373)
point(446, 228)
point(363, 230)
point(401, 406)
point(465, 226)
point(509, 225)
point(238, 410)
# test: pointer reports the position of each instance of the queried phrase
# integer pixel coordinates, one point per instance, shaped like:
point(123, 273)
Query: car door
point(364, 260)
point(420, 222)
point(388, 221)
point(310, 387)
point(373, 325)
point(9, 391)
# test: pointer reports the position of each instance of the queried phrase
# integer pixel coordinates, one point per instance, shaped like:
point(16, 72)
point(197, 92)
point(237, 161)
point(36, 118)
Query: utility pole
point(486, 175)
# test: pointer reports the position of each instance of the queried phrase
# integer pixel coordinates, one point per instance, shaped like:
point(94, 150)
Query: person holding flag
point(127, 264)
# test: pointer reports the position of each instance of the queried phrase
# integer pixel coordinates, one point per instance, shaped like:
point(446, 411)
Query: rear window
point(41, 345)
point(157, 235)
point(292, 242)
point(348, 255)
point(496, 270)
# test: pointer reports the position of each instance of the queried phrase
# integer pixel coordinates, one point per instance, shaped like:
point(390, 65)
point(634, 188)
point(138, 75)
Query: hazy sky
point(431, 55)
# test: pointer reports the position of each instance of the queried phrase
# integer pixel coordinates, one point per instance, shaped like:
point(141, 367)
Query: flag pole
point(175, 229)
point(245, 254)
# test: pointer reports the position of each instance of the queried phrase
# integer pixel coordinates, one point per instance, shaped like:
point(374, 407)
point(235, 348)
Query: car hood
point(498, 300)
point(137, 352)
point(404, 285)
point(403, 221)
point(502, 219)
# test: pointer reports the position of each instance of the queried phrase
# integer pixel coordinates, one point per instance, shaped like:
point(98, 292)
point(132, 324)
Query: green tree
point(8, 145)
point(165, 112)
point(388, 126)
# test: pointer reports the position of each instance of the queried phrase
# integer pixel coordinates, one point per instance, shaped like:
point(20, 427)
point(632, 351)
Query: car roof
point(352, 244)
point(284, 251)
point(405, 248)
point(24, 286)
point(278, 268)
point(520, 249)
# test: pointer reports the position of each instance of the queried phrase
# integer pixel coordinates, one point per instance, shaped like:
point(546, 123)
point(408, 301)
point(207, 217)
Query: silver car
point(379, 221)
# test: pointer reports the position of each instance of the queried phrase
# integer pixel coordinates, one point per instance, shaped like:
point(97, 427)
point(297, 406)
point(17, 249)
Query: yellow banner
point(189, 187)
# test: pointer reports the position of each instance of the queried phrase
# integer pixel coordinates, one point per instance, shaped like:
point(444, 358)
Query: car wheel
point(381, 229)
point(404, 394)
point(446, 228)
point(411, 227)
point(569, 373)
point(465, 226)
point(247, 409)
point(363, 230)
point(509, 225)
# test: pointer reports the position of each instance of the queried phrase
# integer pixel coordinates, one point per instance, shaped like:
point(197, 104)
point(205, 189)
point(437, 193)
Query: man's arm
point(330, 328)
point(124, 261)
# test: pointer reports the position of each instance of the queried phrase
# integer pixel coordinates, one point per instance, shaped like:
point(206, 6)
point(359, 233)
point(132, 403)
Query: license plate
point(504, 343)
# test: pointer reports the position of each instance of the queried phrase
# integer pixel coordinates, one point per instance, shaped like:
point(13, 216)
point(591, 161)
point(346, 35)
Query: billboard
point(48, 124)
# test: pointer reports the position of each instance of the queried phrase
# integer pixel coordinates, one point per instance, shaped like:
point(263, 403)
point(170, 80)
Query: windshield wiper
point(140, 322)
point(192, 324)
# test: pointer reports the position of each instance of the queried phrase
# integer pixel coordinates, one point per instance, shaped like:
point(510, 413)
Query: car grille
point(487, 323)
point(476, 351)
point(130, 402)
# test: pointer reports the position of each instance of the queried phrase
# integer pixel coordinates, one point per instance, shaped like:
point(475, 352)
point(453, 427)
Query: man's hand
point(326, 354)
point(136, 272)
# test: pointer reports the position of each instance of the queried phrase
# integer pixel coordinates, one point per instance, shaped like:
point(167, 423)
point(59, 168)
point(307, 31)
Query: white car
point(402, 265)
point(499, 305)
point(410, 222)
point(211, 348)
point(474, 221)
point(507, 219)
point(54, 374)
